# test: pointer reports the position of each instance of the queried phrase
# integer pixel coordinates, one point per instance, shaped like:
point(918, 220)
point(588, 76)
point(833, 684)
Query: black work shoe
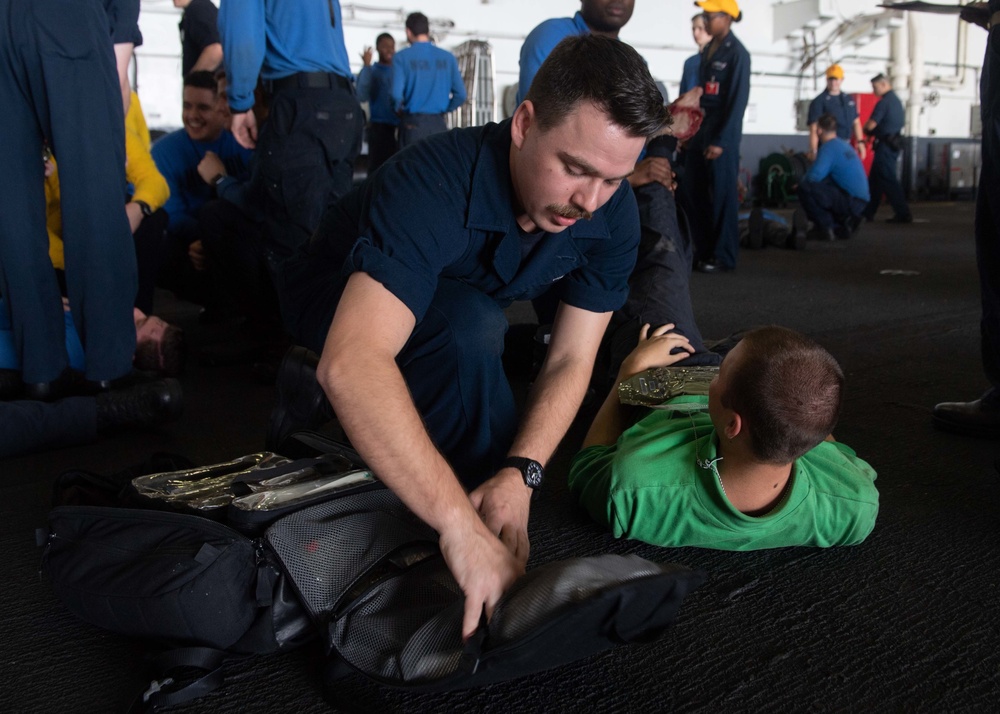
point(977, 418)
point(67, 384)
point(800, 225)
point(900, 219)
point(142, 405)
point(853, 224)
point(711, 266)
point(301, 404)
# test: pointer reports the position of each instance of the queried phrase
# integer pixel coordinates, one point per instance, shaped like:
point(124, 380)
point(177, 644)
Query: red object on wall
point(865, 103)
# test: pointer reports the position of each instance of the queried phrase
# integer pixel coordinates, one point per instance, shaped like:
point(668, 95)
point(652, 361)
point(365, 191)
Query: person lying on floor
point(753, 466)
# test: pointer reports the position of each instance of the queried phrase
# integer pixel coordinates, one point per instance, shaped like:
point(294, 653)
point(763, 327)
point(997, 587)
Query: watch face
point(533, 474)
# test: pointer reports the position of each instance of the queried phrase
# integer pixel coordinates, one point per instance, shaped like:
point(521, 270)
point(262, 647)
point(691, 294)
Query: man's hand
point(655, 349)
point(503, 503)
point(245, 129)
point(210, 167)
point(713, 152)
point(134, 213)
point(482, 566)
point(366, 56)
point(196, 252)
point(862, 149)
point(653, 168)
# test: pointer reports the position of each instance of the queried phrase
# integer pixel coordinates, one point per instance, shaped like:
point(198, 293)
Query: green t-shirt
point(656, 484)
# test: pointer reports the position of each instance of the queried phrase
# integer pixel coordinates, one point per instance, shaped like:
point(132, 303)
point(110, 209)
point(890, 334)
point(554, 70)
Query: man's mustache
point(566, 211)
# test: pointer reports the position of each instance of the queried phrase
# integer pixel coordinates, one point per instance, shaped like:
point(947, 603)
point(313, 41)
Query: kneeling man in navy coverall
point(404, 284)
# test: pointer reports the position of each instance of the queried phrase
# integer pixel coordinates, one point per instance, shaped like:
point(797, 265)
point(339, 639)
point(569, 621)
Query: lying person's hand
point(658, 348)
point(713, 152)
point(653, 169)
point(503, 503)
point(481, 565)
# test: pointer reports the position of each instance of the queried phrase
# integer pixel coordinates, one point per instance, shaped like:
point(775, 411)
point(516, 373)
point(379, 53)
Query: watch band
point(146, 209)
point(218, 179)
point(531, 471)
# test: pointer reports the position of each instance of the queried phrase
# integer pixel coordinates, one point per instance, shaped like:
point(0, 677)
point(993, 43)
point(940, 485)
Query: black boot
point(302, 404)
point(142, 405)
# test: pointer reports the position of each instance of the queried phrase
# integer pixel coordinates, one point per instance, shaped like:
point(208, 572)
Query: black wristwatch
point(531, 471)
point(218, 179)
point(144, 207)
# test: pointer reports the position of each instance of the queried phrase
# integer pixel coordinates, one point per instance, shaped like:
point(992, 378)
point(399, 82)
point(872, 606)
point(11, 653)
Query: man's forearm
point(374, 406)
point(209, 59)
point(553, 403)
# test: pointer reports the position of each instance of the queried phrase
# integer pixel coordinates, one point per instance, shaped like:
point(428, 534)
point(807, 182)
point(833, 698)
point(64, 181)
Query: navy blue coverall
point(889, 117)
point(725, 79)
point(988, 212)
point(435, 227)
point(58, 82)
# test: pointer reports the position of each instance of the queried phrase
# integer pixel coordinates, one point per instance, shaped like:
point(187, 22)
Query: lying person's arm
point(656, 349)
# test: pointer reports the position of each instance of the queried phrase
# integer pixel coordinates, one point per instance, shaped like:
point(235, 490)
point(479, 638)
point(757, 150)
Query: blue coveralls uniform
point(890, 118)
point(841, 106)
point(307, 146)
point(426, 85)
point(375, 87)
point(725, 79)
point(436, 228)
point(988, 212)
point(540, 42)
point(58, 81)
point(835, 188)
point(690, 73)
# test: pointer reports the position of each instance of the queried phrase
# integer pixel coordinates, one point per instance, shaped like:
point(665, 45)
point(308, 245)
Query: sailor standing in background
point(692, 65)
point(313, 131)
point(713, 158)
point(375, 87)
point(981, 417)
point(841, 107)
point(886, 124)
point(58, 83)
point(426, 84)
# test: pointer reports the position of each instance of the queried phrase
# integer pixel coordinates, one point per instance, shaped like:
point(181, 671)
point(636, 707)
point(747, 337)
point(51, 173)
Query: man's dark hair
point(167, 357)
point(827, 123)
point(787, 389)
point(604, 71)
point(879, 78)
point(417, 23)
point(202, 79)
point(384, 36)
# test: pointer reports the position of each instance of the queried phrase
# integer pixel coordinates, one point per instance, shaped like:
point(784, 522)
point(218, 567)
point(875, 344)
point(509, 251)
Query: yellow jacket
point(140, 171)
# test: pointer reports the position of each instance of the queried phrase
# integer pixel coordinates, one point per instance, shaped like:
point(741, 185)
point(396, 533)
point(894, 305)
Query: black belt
point(309, 80)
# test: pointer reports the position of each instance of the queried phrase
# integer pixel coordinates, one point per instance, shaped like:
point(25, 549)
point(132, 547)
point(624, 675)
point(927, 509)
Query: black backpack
point(354, 567)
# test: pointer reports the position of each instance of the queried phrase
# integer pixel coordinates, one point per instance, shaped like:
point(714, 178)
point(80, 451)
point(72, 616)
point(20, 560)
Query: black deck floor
point(903, 622)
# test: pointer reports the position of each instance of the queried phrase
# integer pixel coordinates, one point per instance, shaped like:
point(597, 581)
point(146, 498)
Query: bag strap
point(165, 689)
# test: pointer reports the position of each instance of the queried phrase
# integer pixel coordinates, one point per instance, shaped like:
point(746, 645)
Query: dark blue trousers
point(659, 287)
point(827, 205)
point(712, 202)
point(30, 425)
point(988, 214)
point(414, 127)
point(452, 366)
point(58, 82)
point(883, 180)
point(305, 156)
point(382, 144)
